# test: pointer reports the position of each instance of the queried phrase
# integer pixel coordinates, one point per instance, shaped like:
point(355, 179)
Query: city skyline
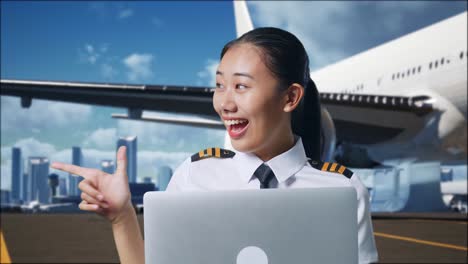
point(29, 184)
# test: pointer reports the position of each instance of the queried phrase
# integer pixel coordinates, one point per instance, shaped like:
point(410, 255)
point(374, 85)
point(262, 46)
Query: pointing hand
point(103, 193)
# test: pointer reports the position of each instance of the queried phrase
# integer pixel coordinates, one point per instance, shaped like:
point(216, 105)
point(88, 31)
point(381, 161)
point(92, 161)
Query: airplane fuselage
point(429, 62)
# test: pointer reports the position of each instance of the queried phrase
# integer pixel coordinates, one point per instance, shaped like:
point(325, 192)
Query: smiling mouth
point(236, 127)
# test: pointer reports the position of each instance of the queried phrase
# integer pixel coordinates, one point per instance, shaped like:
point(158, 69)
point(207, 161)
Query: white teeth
point(234, 122)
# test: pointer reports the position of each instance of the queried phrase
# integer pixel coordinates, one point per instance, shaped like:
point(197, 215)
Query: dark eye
point(218, 85)
point(241, 86)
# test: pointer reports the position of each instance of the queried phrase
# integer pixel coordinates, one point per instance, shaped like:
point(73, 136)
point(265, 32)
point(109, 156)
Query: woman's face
point(248, 100)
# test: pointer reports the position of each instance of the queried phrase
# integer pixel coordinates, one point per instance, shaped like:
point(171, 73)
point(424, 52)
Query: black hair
point(285, 56)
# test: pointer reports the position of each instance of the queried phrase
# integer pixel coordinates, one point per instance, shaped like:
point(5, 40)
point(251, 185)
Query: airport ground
point(87, 238)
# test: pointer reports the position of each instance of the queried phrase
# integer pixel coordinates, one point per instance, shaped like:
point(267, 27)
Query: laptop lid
point(270, 226)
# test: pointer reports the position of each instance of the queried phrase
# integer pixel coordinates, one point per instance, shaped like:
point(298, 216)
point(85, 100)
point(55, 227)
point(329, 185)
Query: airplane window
point(398, 75)
point(414, 70)
point(419, 69)
point(442, 61)
point(403, 75)
point(430, 65)
point(408, 72)
point(393, 76)
point(435, 64)
point(461, 55)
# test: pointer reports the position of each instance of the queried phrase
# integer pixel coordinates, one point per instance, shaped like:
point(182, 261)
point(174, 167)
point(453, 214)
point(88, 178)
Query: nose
point(228, 102)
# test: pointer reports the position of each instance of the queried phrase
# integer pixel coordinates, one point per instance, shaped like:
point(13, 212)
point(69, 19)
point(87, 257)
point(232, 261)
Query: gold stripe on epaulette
point(333, 167)
point(342, 169)
point(208, 153)
point(325, 166)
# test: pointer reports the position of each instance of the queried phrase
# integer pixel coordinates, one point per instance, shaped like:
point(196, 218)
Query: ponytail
point(306, 121)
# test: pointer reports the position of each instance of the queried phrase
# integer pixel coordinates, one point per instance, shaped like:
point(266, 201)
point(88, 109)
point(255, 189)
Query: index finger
point(73, 169)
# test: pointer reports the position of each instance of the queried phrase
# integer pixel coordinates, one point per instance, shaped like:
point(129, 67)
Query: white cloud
point(139, 66)
point(89, 48)
point(334, 30)
point(207, 77)
point(393, 12)
point(104, 47)
point(110, 10)
point(91, 54)
point(102, 138)
point(316, 24)
point(41, 114)
point(125, 13)
point(33, 147)
point(108, 71)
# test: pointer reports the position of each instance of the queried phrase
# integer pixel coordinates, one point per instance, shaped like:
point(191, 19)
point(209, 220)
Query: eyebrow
point(238, 74)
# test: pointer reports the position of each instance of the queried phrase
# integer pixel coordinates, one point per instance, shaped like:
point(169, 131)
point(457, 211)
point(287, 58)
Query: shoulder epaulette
point(213, 153)
point(331, 167)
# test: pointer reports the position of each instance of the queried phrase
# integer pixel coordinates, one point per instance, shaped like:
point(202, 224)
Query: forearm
point(128, 239)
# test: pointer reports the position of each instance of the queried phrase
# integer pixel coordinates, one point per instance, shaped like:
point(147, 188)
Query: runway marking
point(419, 241)
point(4, 257)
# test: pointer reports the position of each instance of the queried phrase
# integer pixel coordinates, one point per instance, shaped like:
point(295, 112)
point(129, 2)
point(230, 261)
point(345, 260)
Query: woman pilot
point(262, 82)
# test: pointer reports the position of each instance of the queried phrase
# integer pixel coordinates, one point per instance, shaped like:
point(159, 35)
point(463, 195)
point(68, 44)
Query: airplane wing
point(195, 121)
point(186, 100)
point(378, 118)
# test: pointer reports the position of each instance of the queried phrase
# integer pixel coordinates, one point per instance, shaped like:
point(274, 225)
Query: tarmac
point(87, 238)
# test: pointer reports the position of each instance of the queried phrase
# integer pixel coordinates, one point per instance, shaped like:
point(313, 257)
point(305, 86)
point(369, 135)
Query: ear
point(293, 96)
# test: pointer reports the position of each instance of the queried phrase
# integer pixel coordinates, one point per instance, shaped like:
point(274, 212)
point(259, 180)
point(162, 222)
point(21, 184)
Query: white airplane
point(399, 103)
point(403, 100)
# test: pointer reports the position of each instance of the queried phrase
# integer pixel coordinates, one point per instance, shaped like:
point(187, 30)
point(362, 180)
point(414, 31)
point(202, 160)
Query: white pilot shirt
point(292, 170)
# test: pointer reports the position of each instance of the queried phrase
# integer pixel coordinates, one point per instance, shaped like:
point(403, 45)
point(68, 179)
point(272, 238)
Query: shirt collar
point(283, 166)
point(288, 163)
point(247, 163)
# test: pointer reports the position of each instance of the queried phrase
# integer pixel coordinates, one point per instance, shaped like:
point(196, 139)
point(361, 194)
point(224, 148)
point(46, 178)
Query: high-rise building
point(62, 188)
point(53, 184)
point(107, 166)
point(74, 180)
point(16, 175)
point(39, 180)
point(5, 196)
point(131, 144)
point(24, 187)
point(164, 176)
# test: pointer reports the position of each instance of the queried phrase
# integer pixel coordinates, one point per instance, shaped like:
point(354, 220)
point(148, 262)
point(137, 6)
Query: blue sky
point(161, 43)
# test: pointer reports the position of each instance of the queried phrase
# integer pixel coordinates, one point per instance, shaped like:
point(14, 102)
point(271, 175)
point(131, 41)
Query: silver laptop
point(271, 226)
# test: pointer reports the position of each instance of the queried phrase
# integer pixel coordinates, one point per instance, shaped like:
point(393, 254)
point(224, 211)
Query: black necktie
point(266, 177)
